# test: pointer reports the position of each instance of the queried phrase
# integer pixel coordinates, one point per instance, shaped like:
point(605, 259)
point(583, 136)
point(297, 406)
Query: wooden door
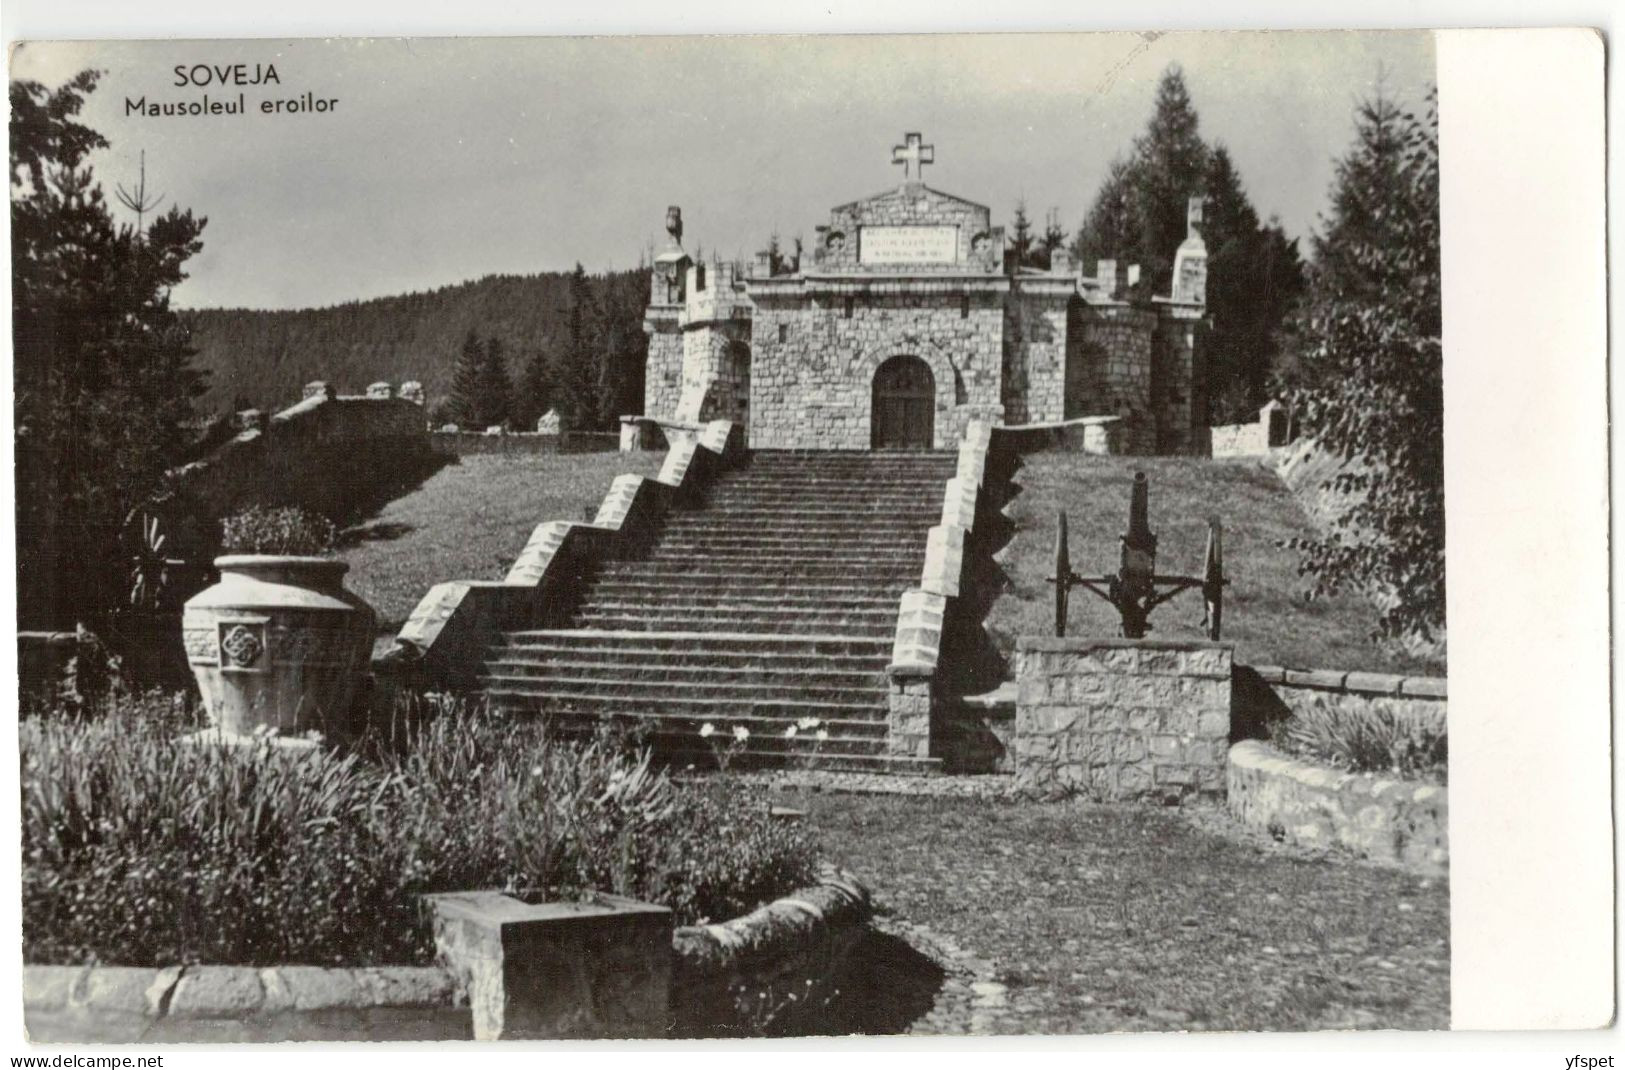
point(904, 407)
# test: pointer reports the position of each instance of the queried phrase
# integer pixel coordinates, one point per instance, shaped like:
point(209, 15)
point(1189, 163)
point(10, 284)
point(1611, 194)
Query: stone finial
point(1134, 275)
point(380, 392)
point(320, 388)
point(1060, 262)
point(1190, 261)
point(674, 226)
point(549, 423)
point(412, 391)
point(1193, 216)
point(1106, 275)
point(762, 266)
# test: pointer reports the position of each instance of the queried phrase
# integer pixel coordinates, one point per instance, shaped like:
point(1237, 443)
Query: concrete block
point(600, 968)
point(1373, 683)
point(1424, 686)
point(1323, 679)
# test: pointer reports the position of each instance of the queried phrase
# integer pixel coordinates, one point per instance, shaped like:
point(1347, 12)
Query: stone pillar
point(1122, 719)
point(908, 718)
point(585, 970)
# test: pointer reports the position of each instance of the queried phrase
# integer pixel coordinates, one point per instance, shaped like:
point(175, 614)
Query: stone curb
point(1355, 683)
point(234, 992)
point(1403, 823)
point(782, 929)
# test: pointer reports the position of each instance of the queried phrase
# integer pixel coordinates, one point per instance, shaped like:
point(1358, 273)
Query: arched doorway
point(903, 411)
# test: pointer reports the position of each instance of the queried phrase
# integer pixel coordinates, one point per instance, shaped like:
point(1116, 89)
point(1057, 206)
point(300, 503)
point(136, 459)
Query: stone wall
point(1121, 719)
point(1178, 397)
point(663, 368)
point(1388, 820)
point(1115, 348)
point(474, 443)
point(813, 388)
point(1036, 350)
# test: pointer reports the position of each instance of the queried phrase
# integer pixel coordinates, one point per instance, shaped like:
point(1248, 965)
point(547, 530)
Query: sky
point(448, 159)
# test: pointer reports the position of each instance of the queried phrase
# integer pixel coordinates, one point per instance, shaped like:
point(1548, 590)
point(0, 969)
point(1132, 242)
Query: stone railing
point(923, 611)
point(1265, 693)
point(451, 627)
point(1084, 434)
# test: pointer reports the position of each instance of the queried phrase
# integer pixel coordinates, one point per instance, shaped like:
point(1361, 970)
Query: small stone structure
point(1122, 719)
point(1271, 431)
point(904, 324)
point(593, 969)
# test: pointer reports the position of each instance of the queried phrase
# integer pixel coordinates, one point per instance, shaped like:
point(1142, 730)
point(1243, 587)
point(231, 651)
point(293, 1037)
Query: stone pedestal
point(599, 969)
point(1122, 719)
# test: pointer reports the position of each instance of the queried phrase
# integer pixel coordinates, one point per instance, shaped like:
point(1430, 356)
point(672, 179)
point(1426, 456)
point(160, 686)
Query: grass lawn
point(1116, 918)
point(1265, 613)
point(470, 520)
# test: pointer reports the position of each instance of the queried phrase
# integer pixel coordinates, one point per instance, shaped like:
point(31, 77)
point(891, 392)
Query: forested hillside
point(264, 358)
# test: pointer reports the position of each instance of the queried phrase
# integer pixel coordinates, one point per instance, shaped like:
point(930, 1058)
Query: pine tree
point(1370, 388)
point(463, 404)
point(103, 376)
point(492, 387)
point(1054, 238)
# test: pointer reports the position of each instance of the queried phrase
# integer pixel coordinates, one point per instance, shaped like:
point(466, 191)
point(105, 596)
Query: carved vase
point(280, 643)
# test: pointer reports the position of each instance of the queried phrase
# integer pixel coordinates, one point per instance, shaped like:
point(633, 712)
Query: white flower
point(535, 770)
point(823, 735)
point(790, 732)
point(807, 724)
point(741, 733)
point(707, 730)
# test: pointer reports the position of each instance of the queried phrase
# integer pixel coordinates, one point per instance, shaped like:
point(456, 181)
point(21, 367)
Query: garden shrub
point(284, 529)
point(1369, 739)
point(140, 849)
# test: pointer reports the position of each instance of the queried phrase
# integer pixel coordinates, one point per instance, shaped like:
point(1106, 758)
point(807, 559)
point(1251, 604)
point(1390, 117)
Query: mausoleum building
point(903, 323)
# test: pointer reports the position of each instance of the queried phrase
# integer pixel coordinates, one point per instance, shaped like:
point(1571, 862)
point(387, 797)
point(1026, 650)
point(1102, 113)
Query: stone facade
point(793, 351)
point(1122, 719)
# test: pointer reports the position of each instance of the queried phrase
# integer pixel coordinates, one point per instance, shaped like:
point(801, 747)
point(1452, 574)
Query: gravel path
point(1077, 918)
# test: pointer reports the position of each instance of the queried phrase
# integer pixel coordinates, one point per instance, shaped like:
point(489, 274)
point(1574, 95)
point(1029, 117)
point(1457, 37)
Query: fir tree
point(1369, 381)
point(463, 403)
point(492, 387)
point(580, 375)
point(533, 395)
point(1020, 250)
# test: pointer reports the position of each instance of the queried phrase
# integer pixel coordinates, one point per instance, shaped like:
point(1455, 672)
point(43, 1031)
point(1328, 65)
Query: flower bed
point(140, 848)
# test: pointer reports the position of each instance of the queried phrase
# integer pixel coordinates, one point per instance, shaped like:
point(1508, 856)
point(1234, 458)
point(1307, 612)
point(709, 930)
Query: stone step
point(841, 519)
point(731, 670)
point(687, 642)
point(632, 660)
point(616, 597)
point(779, 493)
point(755, 714)
point(632, 589)
point(690, 550)
point(667, 619)
point(709, 573)
point(646, 691)
point(782, 546)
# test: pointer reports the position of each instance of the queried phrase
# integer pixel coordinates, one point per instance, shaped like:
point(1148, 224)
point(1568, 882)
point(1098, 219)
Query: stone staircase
point(772, 603)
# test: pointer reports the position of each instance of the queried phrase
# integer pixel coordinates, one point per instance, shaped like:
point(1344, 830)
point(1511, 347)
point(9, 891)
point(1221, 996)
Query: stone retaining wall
point(1418, 698)
point(1121, 719)
point(1387, 820)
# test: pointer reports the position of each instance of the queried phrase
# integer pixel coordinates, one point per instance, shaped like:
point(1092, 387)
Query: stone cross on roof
point(913, 156)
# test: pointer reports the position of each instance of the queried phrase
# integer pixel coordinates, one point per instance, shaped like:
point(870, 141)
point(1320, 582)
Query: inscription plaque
point(908, 245)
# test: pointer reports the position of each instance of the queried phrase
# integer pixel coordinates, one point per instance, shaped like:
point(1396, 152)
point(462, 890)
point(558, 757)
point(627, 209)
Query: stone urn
point(278, 643)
